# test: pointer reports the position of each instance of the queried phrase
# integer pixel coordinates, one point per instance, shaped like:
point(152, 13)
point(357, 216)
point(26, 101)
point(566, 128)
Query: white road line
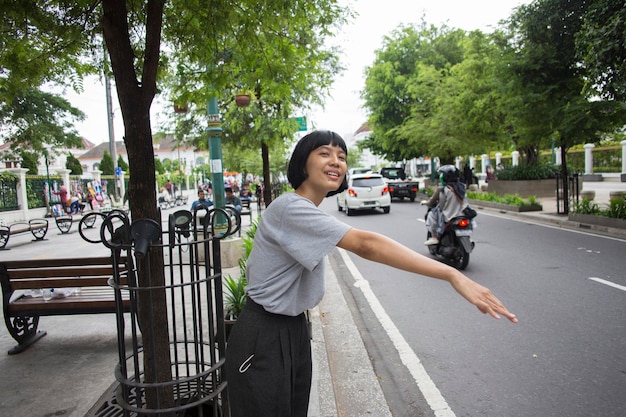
point(425, 384)
point(529, 220)
point(609, 283)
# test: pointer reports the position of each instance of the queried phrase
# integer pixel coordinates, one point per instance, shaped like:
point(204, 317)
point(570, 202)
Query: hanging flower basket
point(183, 108)
point(242, 100)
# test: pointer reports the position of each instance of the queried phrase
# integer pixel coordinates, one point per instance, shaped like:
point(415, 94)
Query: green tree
point(122, 164)
point(38, 120)
point(546, 70)
point(158, 166)
point(402, 90)
point(601, 48)
point(41, 47)
point(106, 164)
point(30, 161)
point(73, 164)
point(275, 50)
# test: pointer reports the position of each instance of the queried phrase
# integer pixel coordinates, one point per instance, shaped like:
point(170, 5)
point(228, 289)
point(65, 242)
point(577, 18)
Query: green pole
point(215, 151)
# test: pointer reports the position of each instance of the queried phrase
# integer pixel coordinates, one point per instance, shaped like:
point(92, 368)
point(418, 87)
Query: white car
point(365, 192)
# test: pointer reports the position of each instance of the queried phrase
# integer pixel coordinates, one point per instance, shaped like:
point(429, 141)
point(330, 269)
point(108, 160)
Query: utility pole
point(112, 146)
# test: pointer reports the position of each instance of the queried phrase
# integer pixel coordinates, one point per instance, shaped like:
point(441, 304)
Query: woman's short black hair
point(296, 173)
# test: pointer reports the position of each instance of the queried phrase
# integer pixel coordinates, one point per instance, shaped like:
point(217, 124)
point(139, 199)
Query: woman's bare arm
point(379, 248)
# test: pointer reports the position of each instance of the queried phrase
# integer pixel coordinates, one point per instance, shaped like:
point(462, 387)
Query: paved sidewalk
point(69, 372)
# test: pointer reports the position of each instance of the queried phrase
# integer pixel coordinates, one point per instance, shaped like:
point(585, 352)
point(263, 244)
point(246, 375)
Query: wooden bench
point(21, 280)
point(38, 227)
point(246, 209)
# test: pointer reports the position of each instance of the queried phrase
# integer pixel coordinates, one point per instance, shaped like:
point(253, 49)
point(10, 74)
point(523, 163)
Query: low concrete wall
point(504, 207)
point(13, 216)
point(231, 249)
point(598, 220)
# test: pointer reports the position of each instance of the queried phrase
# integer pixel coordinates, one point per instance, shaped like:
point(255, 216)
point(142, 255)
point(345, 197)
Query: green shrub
point(616, 208)
point(509, 199)
point(528, 172)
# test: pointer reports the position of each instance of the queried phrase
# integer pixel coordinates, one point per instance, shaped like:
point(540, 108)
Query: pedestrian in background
point(232, 199)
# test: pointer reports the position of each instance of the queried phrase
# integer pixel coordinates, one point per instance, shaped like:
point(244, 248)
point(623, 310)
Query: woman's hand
point(481, 297)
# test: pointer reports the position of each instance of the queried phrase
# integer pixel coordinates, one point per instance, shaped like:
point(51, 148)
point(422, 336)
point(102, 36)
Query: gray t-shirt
point(286, 267)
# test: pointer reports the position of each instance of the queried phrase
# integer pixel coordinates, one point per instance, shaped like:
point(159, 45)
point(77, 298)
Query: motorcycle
point(455, 244)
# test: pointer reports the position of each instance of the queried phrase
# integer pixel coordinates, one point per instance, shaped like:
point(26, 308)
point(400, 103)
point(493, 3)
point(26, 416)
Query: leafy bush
point(528, 172)
point(586, 206)
point(235, 296)
point(616, 208)
point(509, 199)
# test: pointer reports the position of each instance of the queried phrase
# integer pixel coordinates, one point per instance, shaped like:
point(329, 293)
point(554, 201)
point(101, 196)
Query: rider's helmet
point(448, 174)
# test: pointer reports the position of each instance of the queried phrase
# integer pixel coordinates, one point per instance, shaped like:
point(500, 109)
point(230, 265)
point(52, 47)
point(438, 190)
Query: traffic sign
point(301, 123)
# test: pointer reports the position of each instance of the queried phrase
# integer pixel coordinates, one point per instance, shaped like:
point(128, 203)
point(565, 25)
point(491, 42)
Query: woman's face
point(326, 168)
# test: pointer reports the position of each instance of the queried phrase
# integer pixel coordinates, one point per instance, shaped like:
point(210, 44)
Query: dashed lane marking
point(609, 283)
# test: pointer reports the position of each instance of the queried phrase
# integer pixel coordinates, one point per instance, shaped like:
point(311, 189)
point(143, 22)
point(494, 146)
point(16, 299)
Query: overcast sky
point(359, 39)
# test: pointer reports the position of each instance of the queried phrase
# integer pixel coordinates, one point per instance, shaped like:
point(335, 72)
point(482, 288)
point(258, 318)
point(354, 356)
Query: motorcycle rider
point(447, 202)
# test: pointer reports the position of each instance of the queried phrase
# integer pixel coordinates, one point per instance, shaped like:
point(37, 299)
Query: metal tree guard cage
point(192, 291)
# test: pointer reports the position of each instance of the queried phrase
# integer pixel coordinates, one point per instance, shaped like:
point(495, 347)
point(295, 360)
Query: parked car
point(365, 192)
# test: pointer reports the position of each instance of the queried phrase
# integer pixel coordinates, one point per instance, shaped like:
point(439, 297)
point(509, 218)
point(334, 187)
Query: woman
point(447, 202)
point(268, 358)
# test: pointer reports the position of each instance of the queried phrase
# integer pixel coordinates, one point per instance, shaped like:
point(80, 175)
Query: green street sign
point(301, 123)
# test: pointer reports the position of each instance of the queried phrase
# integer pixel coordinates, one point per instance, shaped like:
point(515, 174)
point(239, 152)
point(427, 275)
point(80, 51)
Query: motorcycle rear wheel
point(460, 262)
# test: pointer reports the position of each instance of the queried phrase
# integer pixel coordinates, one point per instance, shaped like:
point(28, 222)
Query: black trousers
point(268, 364)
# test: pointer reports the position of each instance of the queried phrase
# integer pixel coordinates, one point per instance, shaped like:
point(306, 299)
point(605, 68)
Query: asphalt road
point(566, 357)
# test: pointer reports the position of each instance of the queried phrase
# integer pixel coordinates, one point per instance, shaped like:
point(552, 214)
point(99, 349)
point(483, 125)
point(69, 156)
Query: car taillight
point(391, 189)
point(463, 223)
point(352, 192)
point(385, 191)
point(415, 189)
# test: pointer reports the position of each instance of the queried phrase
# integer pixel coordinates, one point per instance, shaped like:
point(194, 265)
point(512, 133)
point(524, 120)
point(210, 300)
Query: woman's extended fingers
point(490, 304)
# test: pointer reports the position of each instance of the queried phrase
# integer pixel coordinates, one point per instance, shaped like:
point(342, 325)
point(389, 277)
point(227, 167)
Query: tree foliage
point(38, 120)
point(403, 91)
point(73, 164)
point(122, 164)
point(601, 48)
point(42, 44)
point(30, 161)
point(447, 93)
point(106, 164)
point(209, 50)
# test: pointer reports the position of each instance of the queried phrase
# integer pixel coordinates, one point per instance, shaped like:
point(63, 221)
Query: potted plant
point(235, 294)
point(242, 99)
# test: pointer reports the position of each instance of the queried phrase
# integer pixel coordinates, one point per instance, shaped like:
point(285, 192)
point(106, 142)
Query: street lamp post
point(215, 151)
point(112, 145)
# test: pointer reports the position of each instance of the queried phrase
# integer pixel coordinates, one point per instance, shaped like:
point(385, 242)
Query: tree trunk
point(267, 180)
point(135, 98)
point(565, 179)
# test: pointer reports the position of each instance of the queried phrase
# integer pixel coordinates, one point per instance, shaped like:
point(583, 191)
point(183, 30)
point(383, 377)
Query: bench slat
point(59, 272)
point(59, 262)
point(68, 306)
point(63, 282)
